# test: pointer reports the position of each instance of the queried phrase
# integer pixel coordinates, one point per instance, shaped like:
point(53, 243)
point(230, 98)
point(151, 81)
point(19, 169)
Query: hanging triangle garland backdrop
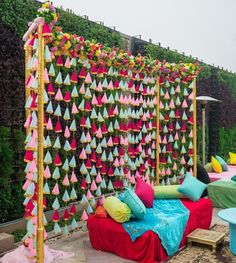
point(102, 107)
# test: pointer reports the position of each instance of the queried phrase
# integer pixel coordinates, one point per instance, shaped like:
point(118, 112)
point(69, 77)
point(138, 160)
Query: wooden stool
point(208, 237)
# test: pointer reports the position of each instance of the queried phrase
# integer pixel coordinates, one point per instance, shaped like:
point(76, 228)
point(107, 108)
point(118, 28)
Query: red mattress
point(108, 235)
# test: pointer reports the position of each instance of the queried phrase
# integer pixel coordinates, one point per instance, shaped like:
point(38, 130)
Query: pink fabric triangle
point(32, 167)
point(84, 216)
point(59, 95)
point(99, 133)
point(94, 100)
point(26, 184)
point(98, 178)
point(93, 186)
point(122, 162)
point(88, 78)
point(177, 89)
point(47, 173)
point(191, 134)
point(116, 111)
point(46, 78)
point(99, 88)
point(82, 89)
point(55, 189)
point(110, 142)
point(161, 106)
point(67, 132)
point(89, 195)
point(73, 178)
point(65, 181)
point(182, 161)
point(27, 122)
point(67, 63)
point(167, 96)
point(190, 96)
point(104, 98)
point(74, 109)
point(172, 104)
point(83, 155)
point(175, 167)
point(184, 104)
point(176, 136)
point(88, 137)
point(49, 124)
point(164, 141)
point(110, 86)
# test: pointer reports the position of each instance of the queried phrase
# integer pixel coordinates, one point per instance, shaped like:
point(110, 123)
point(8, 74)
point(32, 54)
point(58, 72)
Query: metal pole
point(40, 230)
point(203, 134)
point(194, 130)
point(157, 131)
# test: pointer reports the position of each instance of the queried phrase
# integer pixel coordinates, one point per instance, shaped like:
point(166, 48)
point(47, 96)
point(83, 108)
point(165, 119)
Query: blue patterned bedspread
point(167, 218)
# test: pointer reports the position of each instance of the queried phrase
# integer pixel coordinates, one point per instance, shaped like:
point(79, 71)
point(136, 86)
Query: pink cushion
point(145, 192)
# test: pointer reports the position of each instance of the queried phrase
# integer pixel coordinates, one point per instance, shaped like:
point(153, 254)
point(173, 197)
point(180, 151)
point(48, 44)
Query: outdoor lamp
point(204, 100)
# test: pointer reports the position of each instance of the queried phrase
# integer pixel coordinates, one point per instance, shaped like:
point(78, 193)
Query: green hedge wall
point(171, 56)
point(11, 173)
point(17, 13)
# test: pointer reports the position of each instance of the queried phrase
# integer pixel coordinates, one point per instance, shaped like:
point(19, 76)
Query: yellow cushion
point(119, 211)
point(167, 192)
point(232, 158)
point(216, 165)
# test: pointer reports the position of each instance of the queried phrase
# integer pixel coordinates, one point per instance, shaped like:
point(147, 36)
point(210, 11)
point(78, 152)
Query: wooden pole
point(194, 130)
point(40, 230)
point(157, 131)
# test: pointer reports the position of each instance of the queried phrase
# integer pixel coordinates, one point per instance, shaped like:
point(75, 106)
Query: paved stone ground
point(75, 244)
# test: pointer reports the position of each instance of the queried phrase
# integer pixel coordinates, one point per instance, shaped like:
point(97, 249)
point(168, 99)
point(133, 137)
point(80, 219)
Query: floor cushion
point(222, 193)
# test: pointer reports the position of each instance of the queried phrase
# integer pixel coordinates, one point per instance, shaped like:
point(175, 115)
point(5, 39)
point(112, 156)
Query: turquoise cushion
point(192, 187)
point(233, 178)
point(222, 163)
point(134, 203)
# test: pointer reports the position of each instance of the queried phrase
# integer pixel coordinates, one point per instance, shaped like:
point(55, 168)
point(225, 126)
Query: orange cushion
point(100, 212)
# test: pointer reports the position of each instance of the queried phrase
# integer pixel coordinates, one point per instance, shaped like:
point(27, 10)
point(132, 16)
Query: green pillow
point(119, 211)
point(134, 203)
point(233, 178)
point(192, 187)
point(222, 163)
point(209, 168)
point(167, 192)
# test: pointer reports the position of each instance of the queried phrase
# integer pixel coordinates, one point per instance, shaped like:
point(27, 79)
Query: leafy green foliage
point(227, 141)
point(229, 79)
point(74, 24)
point(18, 13)
point(199, 143)
point(161, 53)
point(11, 144)
point(6, 156)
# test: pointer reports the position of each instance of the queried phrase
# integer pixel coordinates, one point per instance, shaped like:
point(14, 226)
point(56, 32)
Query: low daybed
point(107, 235)
point(224, 175)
